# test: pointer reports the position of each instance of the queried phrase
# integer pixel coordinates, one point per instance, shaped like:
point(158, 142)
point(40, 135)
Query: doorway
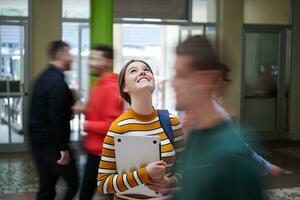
point(264, 85)
point(13, 86)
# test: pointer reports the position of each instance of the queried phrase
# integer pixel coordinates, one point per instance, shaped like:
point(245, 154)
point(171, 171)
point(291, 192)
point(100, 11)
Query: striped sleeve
point(109, 181)
point(178, 137)
point(179, 146)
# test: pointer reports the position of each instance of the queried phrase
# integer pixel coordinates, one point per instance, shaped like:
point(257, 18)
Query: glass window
point(204, 11)
point(154, 44)
point(267, 11)
point(11, 120)
point(80, 9)
point(14, 8)
point(12, 52)
point(78, 36)
point(211, 34)
point(11, 78)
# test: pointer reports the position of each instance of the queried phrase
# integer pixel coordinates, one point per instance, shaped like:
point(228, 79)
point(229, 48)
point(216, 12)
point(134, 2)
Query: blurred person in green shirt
point(217, 165)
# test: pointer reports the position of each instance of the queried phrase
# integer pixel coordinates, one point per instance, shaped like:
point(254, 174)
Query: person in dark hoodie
point(49, 127)
point(103, 107)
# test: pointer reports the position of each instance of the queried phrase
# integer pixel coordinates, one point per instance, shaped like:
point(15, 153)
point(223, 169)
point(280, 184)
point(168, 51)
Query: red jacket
point(104, 106)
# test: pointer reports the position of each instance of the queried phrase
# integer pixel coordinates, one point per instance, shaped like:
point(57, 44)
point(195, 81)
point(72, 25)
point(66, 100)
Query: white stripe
point(168, 154)
point(178, 138)
point(115, 184)
point(105, 186)
point(134, 121)
point(126, 182)
point(108, 146)
point(169, 174)
point(179, 150)
point(171, 116)
point(111, 134)
point(145, 132)
point(108, 159)
point(107, 171)
point(170, 165)
point(137, 178)
point(175, 128)
point(164, 142)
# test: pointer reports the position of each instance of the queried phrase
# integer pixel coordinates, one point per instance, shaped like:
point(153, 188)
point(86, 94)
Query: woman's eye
point(147, 70)
point(133, 70)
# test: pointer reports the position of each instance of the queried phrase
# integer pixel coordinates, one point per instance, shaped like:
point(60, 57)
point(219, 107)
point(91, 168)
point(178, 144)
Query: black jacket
point(50, 111)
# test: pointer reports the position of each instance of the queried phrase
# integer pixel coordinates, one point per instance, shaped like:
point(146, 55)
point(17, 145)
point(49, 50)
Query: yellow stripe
point(179, 144)
point(166, 148)
point(110, 188)
point(131, 180)
point(108, 152)
point(107, 165)
point(177, 133)
point(120, 183)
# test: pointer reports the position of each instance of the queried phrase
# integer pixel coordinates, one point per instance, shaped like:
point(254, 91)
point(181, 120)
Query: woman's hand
point(156, 170)
point(160, 185)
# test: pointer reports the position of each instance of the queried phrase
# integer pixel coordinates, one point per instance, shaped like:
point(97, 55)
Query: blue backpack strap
point(166, 125)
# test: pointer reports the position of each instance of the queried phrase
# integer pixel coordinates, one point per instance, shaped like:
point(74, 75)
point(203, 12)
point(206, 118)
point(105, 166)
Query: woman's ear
point(125, 89)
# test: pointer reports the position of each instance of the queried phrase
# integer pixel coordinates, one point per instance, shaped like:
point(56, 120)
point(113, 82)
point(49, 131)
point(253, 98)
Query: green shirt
point(218, 166)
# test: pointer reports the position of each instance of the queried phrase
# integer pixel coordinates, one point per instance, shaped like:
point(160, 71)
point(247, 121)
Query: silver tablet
point(134, 152)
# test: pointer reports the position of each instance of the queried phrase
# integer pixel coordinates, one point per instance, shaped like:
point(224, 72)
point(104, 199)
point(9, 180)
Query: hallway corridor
point(18, 178)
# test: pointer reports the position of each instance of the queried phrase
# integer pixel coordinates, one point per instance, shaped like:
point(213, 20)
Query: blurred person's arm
point(59, 119)
point(109, 181)
point(268, 167)
point(112, 107)
point(78, 108)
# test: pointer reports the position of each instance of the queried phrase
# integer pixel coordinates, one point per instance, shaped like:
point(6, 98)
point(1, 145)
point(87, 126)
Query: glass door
point(77, 35)
point(13, 96)
point(264, 103)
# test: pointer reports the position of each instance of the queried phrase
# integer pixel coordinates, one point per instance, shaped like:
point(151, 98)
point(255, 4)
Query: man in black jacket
point(49, 127)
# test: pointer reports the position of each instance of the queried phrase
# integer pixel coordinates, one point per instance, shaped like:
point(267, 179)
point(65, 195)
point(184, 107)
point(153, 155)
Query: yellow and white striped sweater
point(131, 123)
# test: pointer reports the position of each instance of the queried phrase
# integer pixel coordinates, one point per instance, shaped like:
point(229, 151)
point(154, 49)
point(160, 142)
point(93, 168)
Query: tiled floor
point(19, 181)
point(284, 194)
point(18, 178)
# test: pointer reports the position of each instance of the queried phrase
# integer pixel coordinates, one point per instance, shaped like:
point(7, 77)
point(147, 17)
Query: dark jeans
point(89, 182)
point(49, 172)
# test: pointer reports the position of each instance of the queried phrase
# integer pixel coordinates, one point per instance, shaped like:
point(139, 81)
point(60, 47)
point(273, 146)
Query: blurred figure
point(220, 107)
point(49, 125)
point(136, 83)
point(220, 91)
point(216, 164)
point(103, 107)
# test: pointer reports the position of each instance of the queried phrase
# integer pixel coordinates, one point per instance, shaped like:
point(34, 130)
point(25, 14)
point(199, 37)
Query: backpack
point(164, 119)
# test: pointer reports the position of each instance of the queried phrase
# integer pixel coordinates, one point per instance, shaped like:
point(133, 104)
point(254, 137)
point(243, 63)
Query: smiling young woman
point(136, 84)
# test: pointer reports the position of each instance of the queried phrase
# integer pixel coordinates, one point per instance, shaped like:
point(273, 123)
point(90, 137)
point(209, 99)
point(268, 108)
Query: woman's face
point(138, 77)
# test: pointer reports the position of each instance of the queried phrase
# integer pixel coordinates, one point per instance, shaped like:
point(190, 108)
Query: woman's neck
point(142, 104)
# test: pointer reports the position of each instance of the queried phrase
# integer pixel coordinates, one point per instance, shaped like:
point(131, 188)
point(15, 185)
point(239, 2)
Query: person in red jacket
point(103, 107)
